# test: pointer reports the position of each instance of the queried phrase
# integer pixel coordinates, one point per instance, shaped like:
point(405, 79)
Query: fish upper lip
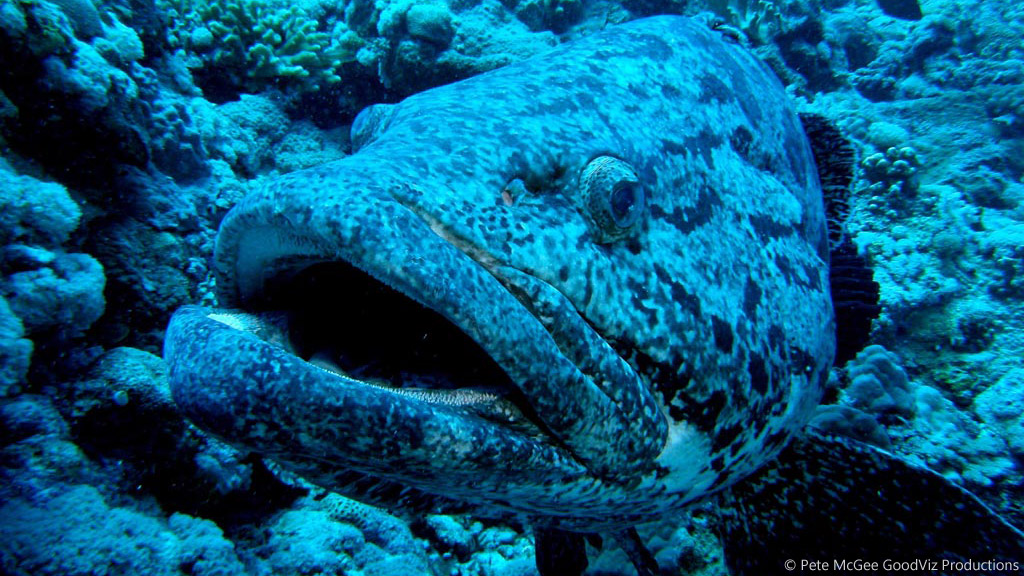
point(617, 436)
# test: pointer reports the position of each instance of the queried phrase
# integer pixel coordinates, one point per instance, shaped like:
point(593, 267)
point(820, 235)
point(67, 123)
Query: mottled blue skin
point(665, 364)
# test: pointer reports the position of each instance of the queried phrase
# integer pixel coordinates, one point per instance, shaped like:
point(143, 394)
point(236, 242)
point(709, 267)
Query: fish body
point(590, 288)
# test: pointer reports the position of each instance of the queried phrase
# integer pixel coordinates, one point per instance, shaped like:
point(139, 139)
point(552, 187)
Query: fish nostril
point(512, 191)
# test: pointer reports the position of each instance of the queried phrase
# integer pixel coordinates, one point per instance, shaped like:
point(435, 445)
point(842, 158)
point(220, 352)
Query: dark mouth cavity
point(373, 333)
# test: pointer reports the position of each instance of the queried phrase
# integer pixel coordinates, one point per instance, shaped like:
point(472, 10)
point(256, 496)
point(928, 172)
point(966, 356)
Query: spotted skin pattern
point(665, 364)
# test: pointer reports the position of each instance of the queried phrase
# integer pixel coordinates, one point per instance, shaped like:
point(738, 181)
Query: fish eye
point(369, 124)
point(613, 198)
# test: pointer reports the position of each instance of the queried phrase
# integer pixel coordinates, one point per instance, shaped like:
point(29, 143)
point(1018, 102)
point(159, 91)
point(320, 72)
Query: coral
point(204, 551)
point(911, 277)
point(338, 535)
point(15, 351)
point(477, 47)
point(77, 115)
point(1001, 406)
point(175, 142)
point(120, 45)
point(310, 542)
point(78, 533)
point(886, 135)
point(850, 422)
point(27, 416)
point(39, 29)
point(378, 526)
point(1005, 249)
point(430, 23)
point(43, 461)
point(251, 45)
point(85, 109)
point(951, 443)
point(66, 295)
point(12, 20)
point(892, 174)
point(878, 384)
point(928, 428)
point(34, 211)
point(1005, 106)
point(759, 20)
point(245, 133)
point(554, 15)
point(90, 80)
point(84, 17)
point(448, 535)
point(221, 465)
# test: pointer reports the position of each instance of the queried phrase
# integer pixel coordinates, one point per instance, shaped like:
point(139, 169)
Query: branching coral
point(759, 20)
point(255, 43)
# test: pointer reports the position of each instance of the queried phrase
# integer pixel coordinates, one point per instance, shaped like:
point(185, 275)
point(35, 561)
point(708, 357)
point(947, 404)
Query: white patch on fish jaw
point(243, 322)
point(687, 457)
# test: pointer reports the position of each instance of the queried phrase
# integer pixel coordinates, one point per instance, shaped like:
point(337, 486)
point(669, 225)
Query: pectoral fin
point(829, 498)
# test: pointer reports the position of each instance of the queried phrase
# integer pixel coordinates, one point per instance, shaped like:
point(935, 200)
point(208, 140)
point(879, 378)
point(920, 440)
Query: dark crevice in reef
point(127, 439)
point(54, 127)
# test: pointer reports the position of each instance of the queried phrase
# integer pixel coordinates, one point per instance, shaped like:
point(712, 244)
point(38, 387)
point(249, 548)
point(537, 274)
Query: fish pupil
point(623, 202)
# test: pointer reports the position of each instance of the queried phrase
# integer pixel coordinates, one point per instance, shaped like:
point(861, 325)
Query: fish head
point(590, 287)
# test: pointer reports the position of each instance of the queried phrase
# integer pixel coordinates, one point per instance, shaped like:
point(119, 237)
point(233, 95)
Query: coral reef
point(919, 422)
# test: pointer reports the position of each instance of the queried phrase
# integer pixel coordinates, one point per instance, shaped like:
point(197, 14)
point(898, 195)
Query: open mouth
point(342, 317)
